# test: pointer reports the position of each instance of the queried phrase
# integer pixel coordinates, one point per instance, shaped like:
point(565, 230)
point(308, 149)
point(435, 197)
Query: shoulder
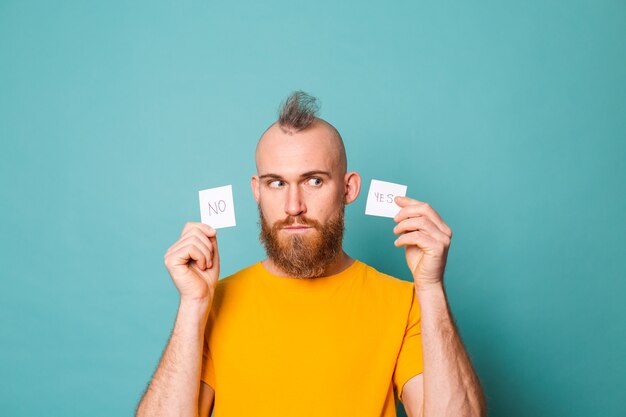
point(238, 277)
point(377, 277)
point(391, 288)
point(234, 283)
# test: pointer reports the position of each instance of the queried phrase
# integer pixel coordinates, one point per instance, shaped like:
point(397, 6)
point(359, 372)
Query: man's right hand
point(193, 262)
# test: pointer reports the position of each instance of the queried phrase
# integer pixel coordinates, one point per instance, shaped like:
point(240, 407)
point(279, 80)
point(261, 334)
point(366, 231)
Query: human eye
point(275, 183)
point(314, 181)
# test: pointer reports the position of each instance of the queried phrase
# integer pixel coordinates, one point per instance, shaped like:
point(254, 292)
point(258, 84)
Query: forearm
point(174, 388)
point(451, 387)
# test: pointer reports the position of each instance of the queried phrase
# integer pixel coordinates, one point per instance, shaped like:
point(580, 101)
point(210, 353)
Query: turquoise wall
point(509, 118)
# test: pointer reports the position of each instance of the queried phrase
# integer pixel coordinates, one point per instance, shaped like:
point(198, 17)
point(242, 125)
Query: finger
point(209, 244)
point(206, 251)
point(412, 208)
point(216, 252)
point(417, 238)
point(187, 252)
point(205, 247)
point(206, 274)
point(421, 223)
point(404, 201)
point(202, 236)
point(193, 233)
point(204, 228)
point(423, 209)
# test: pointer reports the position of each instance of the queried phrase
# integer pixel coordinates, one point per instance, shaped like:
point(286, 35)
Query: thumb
point(404, 201)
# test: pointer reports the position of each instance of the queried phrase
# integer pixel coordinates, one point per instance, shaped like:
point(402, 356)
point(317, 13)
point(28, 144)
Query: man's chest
point(313, 337)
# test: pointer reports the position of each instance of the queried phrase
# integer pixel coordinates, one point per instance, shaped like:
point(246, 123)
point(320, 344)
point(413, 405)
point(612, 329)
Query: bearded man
point(309, 331)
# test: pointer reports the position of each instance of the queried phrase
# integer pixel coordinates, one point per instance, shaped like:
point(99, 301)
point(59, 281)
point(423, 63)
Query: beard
point(307, 255)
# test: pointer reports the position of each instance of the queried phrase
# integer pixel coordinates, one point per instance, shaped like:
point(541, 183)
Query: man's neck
point(342, 262)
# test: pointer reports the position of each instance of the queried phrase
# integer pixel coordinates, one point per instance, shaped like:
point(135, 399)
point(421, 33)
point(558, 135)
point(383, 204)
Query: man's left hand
point(426, 239)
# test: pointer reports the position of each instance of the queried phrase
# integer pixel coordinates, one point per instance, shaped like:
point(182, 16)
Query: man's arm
point(174, 389)
point(448, 385)
point(194, 265)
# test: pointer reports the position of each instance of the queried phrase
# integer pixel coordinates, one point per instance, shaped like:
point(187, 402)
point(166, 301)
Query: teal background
point(509, 118)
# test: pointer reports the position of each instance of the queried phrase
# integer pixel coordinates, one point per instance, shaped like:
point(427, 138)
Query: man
point(309, 330)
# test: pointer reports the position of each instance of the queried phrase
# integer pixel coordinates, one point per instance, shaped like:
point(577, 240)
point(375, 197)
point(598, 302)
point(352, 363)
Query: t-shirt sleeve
point(410, 360)
point(207, 374)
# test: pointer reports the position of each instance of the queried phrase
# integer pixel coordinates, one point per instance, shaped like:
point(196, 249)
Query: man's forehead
point(296, 153)
point(290, 162)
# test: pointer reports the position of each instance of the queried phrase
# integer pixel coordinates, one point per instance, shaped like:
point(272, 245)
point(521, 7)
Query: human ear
point(352, 180)
point(254, 184)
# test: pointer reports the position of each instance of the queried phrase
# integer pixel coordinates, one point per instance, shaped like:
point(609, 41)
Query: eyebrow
point(306, 174)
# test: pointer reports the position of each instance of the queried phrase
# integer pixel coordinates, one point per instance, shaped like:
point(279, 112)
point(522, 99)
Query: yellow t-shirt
point(332, 346)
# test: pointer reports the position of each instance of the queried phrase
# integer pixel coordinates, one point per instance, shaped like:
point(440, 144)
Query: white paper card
point(380, 198)
point(216, 207)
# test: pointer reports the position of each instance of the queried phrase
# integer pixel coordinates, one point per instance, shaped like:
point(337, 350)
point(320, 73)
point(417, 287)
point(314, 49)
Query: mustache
point(291, 220)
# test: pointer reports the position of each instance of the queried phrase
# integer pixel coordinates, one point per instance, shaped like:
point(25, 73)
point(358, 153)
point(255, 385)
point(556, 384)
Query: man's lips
point(297, 227)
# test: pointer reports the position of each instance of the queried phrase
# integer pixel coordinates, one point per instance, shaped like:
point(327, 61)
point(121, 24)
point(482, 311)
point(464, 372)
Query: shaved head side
point(298, 113)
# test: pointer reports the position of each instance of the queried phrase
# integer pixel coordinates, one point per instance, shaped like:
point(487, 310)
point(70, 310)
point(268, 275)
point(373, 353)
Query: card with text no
point(216, 207)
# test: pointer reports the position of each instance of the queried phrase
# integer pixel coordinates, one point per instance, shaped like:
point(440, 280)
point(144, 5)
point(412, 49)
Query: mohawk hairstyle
point(297, 112)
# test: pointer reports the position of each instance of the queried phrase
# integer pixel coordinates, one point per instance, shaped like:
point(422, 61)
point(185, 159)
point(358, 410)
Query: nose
point(294, 205)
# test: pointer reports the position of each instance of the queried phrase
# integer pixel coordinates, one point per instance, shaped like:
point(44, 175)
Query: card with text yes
point(216, 207)
point(380, 198)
